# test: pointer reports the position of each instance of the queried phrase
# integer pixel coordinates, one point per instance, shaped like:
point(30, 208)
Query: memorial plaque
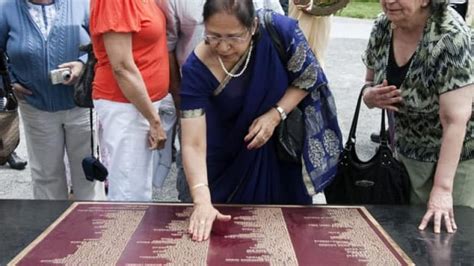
point(156, 234)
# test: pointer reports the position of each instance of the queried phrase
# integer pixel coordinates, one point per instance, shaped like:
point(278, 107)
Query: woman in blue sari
point(235, 91)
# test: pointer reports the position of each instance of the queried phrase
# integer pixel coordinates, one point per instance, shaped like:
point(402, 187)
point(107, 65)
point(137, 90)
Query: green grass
point(365, 9)
point(361, 9)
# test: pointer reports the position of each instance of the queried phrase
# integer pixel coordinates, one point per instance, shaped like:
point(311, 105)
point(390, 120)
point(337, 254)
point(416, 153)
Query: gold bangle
point(198, 186)
point(192, 113)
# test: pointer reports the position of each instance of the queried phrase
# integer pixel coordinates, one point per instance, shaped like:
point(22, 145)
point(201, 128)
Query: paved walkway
point(345, 72)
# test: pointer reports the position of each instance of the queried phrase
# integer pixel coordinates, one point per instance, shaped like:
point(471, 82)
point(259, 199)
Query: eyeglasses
point(231, 40)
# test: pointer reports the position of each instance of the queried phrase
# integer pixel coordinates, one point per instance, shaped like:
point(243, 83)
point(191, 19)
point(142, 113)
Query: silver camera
point(60, 75)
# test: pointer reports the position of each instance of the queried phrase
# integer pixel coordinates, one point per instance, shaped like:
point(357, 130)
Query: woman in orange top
point(131, 83)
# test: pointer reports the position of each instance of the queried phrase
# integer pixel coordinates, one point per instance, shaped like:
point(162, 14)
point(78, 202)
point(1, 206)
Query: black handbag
point(83, 86)
point(290, 137)
point(9, 120)
point(290, 132)
point(93, 168)
point(381, 180)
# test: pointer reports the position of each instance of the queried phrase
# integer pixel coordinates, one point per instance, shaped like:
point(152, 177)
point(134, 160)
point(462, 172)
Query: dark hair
point(242, 9)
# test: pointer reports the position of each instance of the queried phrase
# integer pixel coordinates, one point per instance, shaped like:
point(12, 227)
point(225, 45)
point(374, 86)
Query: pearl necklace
point(243, 69)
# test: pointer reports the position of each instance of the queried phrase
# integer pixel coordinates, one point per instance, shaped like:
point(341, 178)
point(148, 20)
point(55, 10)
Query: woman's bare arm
point(455, 112)
point(130, 81)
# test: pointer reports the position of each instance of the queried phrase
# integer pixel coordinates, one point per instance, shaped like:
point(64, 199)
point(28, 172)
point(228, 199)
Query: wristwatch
point(282, 112)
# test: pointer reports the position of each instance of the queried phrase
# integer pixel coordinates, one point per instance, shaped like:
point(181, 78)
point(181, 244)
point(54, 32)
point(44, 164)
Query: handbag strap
point(274, 36)
point(91, 123)
point(383, 130)
point(352, 134)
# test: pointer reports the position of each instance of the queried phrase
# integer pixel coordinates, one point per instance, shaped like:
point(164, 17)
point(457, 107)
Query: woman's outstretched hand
point(440, 209)
point(202, 218)
point(383, 96)
point(262, 129)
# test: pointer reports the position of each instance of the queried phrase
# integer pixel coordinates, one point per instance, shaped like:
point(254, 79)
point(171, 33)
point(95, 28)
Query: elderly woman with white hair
point(419, 65)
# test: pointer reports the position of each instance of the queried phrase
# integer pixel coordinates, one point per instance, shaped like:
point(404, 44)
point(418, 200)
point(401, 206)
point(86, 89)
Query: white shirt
point(269, 4)
point(185, 27)
point(43, 15)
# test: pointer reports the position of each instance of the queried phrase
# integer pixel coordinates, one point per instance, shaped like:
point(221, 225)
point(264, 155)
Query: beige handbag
point(9, 133)
point(9, 121)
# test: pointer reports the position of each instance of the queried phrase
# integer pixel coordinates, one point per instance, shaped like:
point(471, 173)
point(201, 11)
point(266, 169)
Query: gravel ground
point(345, 72)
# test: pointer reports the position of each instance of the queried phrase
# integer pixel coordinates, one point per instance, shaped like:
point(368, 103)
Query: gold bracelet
point(198, 186)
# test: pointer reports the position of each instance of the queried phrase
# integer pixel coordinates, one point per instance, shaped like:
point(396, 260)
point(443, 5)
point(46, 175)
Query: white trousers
point(130, 162)
point(50, 134)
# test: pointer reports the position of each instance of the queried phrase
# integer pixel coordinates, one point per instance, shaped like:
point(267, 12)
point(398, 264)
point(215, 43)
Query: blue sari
point(239, 175)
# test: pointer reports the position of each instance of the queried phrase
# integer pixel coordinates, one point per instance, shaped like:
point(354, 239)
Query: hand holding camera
point(67, 73)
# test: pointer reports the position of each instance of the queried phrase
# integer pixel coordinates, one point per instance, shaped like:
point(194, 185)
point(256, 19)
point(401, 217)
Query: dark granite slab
point(426, 247)
point(21, 221)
